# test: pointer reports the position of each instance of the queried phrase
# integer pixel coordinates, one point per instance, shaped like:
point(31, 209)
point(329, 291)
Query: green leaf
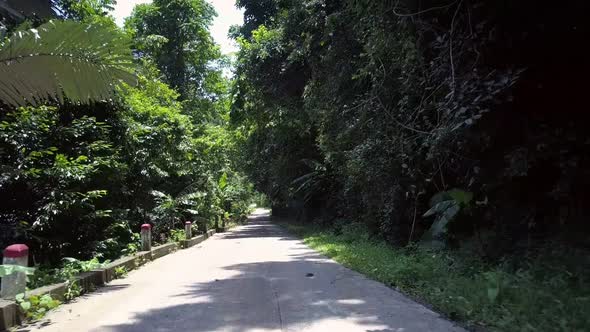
point(45, 300)
point(158, 194)
point(461, 196)
point(25, 306)
point(8, 269)
point(446, 212)
point(439, 226)
point(70, 260)
point(79, 61)
point(439, 208)
point(439, 197)
point(223, 181)
point(493, 293)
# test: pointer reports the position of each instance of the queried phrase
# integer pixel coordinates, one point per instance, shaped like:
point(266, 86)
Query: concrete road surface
point(253, 278)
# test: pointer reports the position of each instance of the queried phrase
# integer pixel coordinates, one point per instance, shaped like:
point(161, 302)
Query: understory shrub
point(143, 139)
point(365, 110)
point(537, 294)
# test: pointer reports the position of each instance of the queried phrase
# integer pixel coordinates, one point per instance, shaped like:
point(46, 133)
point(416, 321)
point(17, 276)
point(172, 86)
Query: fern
point(64, 60)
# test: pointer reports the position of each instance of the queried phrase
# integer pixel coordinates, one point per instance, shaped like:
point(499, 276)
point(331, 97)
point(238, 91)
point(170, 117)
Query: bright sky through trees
point(228, 15)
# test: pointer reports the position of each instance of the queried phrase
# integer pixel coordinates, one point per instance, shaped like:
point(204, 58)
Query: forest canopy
point(400, 127)
point(129, 126)
point(439, 146)
point(378, 112)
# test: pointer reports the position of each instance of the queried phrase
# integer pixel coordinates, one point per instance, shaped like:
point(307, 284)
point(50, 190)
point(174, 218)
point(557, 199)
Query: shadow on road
point(45, 322)
point(258, 226)
point(306, 291)
point(266, 296)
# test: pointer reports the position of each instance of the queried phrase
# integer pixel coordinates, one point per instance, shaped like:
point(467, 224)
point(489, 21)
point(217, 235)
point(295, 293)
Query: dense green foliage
point(67, 272)
point(80, 174)
point(35, 307)
point(86, 64)
point(365, 110)
point(448, 137)
point(442, 124)
point(175, 35)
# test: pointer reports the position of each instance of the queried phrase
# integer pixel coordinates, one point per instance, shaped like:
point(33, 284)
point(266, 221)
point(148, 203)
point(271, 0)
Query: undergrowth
point(70, 268)
point(541, 294)
point(35, 307)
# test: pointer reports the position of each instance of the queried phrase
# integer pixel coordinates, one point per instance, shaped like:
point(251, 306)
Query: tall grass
point(540, 295)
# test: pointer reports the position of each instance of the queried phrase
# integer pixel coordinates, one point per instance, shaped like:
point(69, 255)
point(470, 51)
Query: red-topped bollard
point(188, 230)
point(15, 283)
point(146, 237)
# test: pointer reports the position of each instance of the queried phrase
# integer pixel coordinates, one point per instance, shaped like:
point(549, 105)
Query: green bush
point(352, 232)
point(537, 296)
point(177, 235)
point(36, 307)
point(70, 268)
point(364, 110)
point(78, 177)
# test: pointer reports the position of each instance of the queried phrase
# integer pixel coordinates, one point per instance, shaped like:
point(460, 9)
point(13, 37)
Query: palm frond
point(64, 59)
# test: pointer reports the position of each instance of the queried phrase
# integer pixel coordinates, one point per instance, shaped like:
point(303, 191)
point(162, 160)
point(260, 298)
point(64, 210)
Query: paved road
point(253, 278)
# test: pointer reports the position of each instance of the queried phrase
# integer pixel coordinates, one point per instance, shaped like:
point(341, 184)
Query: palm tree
point(61, 60)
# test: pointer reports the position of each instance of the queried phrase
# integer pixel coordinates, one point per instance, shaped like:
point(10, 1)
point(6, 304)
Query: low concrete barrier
point(10, 315)
point(109, 272)
point(57, 291)
point(193, 242)
point(197, 239)
point(163, 250)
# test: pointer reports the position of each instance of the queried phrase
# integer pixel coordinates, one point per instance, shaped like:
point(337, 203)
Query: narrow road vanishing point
point(253, 278)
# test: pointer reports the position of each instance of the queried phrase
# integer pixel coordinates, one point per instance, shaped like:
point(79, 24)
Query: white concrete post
point(15, 283)
point(188, 231)
point(146, 237)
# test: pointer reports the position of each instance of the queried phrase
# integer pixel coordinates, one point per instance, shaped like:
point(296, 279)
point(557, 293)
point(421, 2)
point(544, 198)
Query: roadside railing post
point(15, 283)
point(146, 237)
point(188, 231)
